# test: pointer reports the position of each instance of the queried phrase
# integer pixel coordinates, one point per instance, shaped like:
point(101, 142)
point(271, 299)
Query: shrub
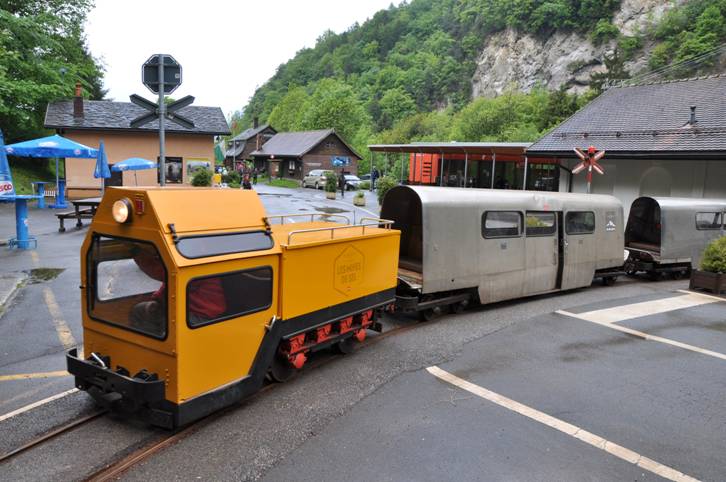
point(331, 182)
point(359, 194)
point(604, 30)
point(232, 177)
point(714, 258)
point(233, 185)
point(203, 177)
point(364, 185)
point(384, 185)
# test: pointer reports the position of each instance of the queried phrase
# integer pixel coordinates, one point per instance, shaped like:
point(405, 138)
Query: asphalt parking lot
point(604, 383)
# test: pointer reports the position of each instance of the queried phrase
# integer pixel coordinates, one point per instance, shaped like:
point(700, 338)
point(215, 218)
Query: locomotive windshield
point(127, 285)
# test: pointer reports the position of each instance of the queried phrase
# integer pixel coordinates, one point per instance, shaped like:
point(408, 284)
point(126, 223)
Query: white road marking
point(646, 336)
point(37, 404)
point(35, 258)
point(703, 295)
point(28, 376)
point(61, 327)
point(646, 308)
point(564, 427)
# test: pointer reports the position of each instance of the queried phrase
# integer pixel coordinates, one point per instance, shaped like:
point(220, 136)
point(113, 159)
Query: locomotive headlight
point(121, 210)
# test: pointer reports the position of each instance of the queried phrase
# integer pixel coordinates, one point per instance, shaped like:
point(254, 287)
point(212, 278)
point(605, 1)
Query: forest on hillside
point(405, 74)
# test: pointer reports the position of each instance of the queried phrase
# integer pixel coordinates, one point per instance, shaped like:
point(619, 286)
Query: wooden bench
point(86, 213)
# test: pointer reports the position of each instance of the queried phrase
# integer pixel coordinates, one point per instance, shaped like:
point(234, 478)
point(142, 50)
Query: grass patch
point(289, 183)
point(38, 275)
point(25, 171)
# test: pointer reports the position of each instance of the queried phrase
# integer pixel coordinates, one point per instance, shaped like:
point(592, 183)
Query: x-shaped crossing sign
point(154, 111)
point(589, 161)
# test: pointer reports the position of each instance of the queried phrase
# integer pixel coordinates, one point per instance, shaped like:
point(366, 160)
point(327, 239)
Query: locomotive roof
point(432, 195)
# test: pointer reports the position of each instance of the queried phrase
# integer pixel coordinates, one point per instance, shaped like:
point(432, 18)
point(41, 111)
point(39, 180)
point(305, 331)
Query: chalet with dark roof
point(90, 121)
point(241, 146)
point(660, 139)
point(294, 154)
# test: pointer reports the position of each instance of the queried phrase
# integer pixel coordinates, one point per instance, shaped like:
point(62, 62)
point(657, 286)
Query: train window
point(216, 298)
point(708, 221)
point(580, 222)
point(127, 281)
point(193, 247)
point(540, 224)
point(502, 224)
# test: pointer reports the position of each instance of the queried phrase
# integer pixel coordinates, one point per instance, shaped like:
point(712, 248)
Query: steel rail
point(51, 435)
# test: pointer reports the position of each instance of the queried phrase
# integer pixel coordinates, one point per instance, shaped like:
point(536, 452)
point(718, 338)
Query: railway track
point(51, 435)
point(117, 468)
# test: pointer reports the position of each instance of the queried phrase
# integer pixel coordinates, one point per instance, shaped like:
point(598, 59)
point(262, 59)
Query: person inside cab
point(205, 302)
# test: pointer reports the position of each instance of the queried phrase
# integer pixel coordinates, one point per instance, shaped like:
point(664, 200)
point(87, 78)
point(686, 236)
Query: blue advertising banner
point(340, 161)
point(6, 179)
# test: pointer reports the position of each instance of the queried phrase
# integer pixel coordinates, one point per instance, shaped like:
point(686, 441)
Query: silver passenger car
point(465, 245)
point(669, 235)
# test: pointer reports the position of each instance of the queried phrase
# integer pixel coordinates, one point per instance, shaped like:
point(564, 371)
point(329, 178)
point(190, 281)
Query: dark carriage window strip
point(193, 247)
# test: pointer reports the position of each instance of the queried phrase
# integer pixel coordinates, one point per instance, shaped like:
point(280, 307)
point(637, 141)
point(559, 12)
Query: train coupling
point(117, 390)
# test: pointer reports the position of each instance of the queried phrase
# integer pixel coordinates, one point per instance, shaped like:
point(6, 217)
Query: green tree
point(614, 70)
point(335, 105)
point(287, 114)
point(395, 105)
point(42, 55)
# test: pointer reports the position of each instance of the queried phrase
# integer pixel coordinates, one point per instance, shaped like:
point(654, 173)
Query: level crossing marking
point(37, 404)
point(61, 327)
point(564, 427)
point(35, 258)
point(646, 308)
point(28, 376)
point(645, 336)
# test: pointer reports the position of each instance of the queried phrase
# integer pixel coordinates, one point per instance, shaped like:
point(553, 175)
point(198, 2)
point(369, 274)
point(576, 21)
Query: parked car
point(365, 177)
point(351, 182)
point(316, 178)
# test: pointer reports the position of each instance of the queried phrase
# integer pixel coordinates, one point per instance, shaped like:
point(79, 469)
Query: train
point(194, 298)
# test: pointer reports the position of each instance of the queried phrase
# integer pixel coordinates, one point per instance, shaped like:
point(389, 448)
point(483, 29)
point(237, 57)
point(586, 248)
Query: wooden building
point(241, 146)
point(294, 154)
point(90, 121)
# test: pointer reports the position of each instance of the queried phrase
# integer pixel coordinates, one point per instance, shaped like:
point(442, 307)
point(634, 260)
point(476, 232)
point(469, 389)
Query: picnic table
point(82, 208)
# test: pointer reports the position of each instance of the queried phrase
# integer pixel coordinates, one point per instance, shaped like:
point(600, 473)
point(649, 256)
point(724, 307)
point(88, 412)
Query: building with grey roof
point(241, 146)
point(660, 139)
point(90, 121)
point(294, 154)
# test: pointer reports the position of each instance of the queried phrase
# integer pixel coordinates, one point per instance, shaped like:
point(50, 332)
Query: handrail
point(387, 223)
point(312, 217)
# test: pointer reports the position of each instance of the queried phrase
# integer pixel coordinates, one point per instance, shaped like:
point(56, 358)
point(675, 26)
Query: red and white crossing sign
point(589, 161)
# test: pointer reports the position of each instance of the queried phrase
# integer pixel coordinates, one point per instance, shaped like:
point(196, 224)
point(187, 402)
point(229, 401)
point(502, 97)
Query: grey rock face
point(521, 61)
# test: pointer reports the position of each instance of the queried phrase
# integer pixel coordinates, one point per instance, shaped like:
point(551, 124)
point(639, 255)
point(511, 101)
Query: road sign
point(589, 161)
point(172, 73)
point(339, 161)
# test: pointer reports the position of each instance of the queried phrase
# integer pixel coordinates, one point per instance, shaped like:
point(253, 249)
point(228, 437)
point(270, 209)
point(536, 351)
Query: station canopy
point(470, 148)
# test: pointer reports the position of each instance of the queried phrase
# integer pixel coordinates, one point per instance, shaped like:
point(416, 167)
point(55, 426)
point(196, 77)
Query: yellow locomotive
point(192, 297)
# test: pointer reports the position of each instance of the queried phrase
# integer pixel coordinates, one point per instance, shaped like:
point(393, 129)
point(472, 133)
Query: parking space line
point(647, 308)
point(703, 295)
point(37, 404)
point(61, 327)
point(28, 376)
point(644, 335)
point(564, 427)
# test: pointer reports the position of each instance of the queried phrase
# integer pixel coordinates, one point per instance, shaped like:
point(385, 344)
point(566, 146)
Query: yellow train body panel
point(186, 302)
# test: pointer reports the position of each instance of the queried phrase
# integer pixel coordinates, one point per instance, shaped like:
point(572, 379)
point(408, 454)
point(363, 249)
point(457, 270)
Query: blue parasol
point(102, 171)
point(133, 164)
point(52, 146)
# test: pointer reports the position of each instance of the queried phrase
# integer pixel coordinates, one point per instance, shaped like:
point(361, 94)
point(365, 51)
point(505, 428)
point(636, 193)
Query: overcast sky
point(226, 49)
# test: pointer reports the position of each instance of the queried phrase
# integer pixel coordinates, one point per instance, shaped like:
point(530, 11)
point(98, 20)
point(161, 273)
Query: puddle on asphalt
point(329, 210)
point(38, 275)
point(303, 209)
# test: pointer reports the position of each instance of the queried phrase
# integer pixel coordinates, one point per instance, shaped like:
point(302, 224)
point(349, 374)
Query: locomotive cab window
point(540, 224)
point(128, 285)
point(502, 224)
point(708, 220)
point(193, 247)
point(580, 222)
point(216, 298)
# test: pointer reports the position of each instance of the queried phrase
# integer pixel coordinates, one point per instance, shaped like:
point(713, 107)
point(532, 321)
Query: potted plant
point(359, 199)
point(331, 185)
point(712, 275)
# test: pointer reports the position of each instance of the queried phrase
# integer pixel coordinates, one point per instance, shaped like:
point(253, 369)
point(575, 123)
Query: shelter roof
point(647, 121)
point(515, 148)
point(108, 115)
point(296, 144)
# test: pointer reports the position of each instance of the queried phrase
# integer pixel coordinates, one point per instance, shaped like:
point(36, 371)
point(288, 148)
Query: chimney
point(255, 122)
point(693, 115)
point(78, 102)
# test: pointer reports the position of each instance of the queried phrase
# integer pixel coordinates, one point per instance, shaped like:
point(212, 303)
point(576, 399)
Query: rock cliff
point(514, 60)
